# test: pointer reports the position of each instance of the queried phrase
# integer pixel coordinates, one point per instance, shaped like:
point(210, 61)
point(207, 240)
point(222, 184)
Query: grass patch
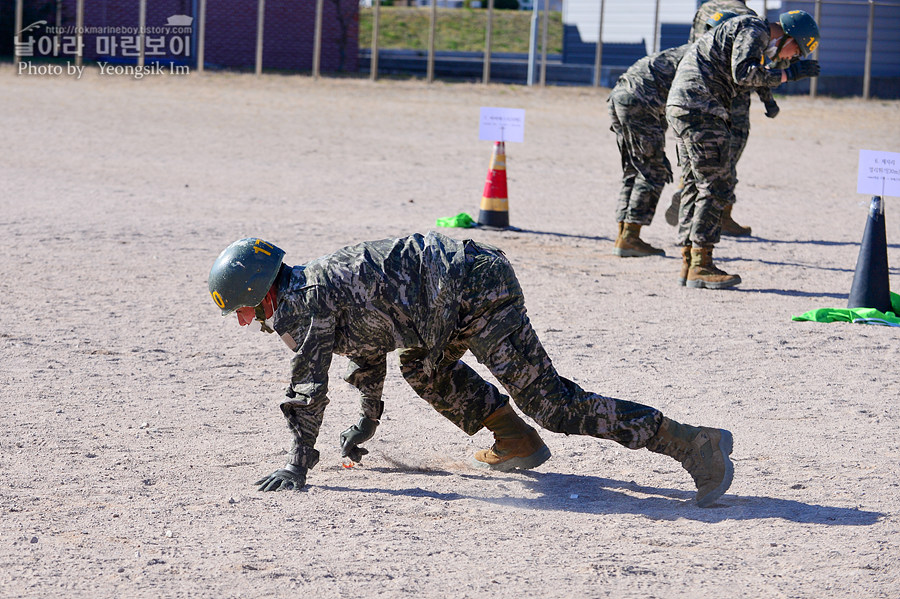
point(456, 29)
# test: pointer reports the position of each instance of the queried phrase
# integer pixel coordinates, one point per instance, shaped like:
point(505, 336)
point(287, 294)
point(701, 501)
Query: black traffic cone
point(871, 286)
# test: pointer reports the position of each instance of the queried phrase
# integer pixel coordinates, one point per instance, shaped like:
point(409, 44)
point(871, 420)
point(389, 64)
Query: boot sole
point(701, 284)
point(726, 444)
point(527, 463)
point(633, 253)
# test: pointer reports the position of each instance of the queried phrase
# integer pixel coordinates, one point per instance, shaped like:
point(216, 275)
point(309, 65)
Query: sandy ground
point(134, 418)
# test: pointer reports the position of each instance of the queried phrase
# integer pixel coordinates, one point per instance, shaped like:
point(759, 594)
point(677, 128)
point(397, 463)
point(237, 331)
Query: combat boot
point(516, 445)
point(685, 265)
point(702, 451)
point(630, 245)
point(621, 227)
point(731, 228)
point(703, 273)
point(672, 210)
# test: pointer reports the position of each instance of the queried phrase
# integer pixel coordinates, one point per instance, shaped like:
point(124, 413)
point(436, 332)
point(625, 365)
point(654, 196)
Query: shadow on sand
point(550, 233)
point(793, 293)
point(598, 495)
point(822, 242)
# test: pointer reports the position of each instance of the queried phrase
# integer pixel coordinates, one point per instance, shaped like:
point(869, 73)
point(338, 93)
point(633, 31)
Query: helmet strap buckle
point(261, 319)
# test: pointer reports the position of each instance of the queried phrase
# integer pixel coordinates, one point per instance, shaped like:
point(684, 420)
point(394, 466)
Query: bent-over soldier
point(637, 111)
point(721, 64)
point(433, 298)
point(718, 10)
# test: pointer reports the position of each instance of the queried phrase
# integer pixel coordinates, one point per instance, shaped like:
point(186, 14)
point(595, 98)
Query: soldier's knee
point(411, 355)
point(548, 400)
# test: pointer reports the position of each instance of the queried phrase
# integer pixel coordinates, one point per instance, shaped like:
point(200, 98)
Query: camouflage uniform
point(740, 105)
point(718, 67)
point(637, 109)
point(433, 298)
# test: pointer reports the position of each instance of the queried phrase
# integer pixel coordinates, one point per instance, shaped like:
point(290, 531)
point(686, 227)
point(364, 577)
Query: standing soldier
point(637, 109)
point(720, 65)
point(433, 298)
point(713, 10)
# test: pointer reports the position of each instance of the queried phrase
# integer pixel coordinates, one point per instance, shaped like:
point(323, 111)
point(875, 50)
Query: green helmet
point(243, 274)
point(802, 27)
point(718, 18)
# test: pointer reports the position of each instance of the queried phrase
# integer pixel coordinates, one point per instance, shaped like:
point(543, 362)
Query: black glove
point(288, 478)
point(772, 109)
point(356, 434)
point(803, 69)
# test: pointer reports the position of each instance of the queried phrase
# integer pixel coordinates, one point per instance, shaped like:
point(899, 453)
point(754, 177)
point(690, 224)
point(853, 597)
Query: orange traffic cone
point(494, 203)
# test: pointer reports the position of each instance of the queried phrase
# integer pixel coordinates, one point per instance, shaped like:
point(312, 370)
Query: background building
point(230, 37)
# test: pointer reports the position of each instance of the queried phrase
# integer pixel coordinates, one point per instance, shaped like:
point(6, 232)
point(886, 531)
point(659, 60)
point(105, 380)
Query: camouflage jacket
point(647, 81)
point(711, 7)
point(364, 301)
point(722, 63)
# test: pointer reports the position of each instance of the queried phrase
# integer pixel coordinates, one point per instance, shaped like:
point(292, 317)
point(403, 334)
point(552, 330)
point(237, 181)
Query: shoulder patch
point(289, 341)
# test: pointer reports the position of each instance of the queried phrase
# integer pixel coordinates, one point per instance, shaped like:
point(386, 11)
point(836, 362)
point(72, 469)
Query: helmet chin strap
point(266, 308)
point(780, 45)
point(261, 319)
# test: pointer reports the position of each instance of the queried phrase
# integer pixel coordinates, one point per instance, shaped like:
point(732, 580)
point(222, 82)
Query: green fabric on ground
point(461, 220)
point(851, 314)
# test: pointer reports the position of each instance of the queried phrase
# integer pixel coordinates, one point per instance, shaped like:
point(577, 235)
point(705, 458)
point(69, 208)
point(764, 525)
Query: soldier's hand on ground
point(288, 478)
point(356, 454)
point(354, 436)
point(803, 69)
point(772, 109)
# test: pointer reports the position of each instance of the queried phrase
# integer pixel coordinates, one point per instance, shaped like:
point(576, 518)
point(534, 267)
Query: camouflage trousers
point(740, 132)
point(641, 137)
point(707, 170)
point(740, 126)
point(495, 328)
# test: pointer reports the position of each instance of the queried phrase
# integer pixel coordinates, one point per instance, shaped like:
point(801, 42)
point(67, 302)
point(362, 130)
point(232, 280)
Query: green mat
point(858, 315)
point(461, 220)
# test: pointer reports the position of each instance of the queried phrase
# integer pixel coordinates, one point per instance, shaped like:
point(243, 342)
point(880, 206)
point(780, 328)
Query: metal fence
point(200, 34)
point(537, 59)
point(869, 38)
point(537, 71)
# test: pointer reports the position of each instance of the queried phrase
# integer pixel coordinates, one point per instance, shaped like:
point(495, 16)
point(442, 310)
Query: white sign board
point(502, 124)
point(879, 173)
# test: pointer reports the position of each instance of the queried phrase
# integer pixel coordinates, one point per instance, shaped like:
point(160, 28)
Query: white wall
point(632, 20)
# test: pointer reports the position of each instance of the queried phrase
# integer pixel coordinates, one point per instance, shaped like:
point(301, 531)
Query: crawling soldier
point(433, 298)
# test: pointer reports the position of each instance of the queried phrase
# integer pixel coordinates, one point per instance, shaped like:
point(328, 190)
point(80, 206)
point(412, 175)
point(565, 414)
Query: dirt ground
point(135, 418)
